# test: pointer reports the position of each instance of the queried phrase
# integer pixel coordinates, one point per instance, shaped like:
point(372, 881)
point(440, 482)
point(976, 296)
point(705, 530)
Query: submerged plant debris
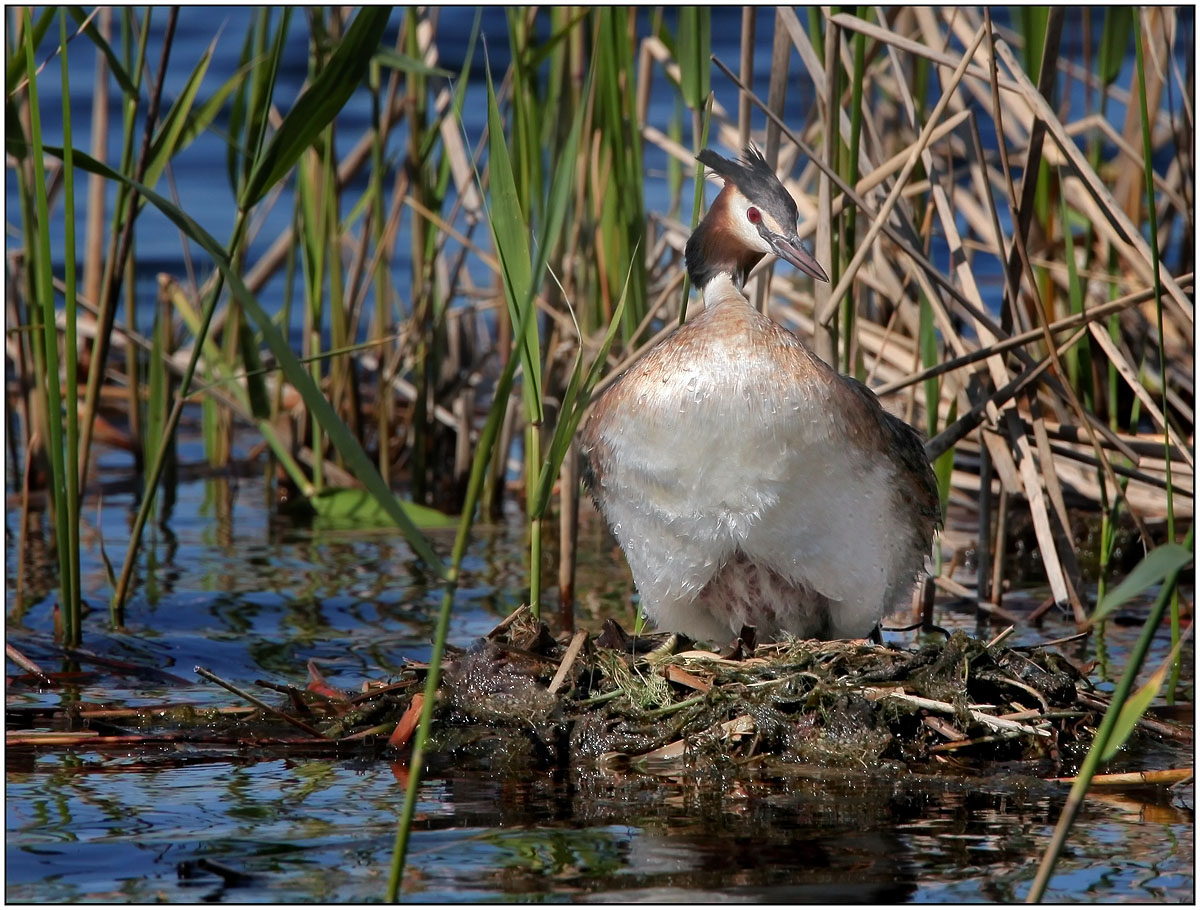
point(521, 697)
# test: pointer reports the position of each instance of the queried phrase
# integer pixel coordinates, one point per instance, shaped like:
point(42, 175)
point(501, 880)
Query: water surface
point(256, 597)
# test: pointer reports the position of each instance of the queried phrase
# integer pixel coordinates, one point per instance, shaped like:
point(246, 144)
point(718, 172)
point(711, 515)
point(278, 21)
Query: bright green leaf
point(1158, 564)
point(345, 506)
point(1131, 711)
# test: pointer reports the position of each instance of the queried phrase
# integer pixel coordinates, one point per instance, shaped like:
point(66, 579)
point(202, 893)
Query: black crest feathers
point(755, 180)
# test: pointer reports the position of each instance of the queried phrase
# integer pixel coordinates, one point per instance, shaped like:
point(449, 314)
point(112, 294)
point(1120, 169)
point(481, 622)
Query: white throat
point(720, 288)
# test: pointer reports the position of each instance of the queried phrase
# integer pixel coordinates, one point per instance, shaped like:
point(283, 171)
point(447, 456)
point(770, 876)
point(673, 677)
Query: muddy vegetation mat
point(520, 697)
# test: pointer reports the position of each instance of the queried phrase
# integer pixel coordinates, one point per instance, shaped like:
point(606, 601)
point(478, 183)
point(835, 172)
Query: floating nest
point(520, 697)
point(660, 704)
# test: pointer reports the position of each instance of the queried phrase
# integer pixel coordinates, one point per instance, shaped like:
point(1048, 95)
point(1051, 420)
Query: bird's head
point(753, 215)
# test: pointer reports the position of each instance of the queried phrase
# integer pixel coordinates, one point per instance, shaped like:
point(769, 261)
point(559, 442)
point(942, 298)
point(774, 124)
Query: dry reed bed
point(1046, 395)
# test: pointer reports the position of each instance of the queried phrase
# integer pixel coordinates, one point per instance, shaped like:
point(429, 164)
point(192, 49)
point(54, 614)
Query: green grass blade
point(697, 199)
point(262, 90)
point(943, 465)
point(1078, 358)
point(156, 404)
point(348, 507)
point(562, 189)
point(1152, 218)
point(1135, 706)
point(1033, 21)
point(237, 158)
point(321, 102)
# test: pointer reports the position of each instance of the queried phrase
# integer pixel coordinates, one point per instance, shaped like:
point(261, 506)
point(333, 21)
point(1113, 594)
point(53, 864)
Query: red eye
point(754, 215)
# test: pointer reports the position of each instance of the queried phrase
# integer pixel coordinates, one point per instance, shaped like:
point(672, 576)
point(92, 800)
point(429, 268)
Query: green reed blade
point(693, 47)
point(262, 90)
point(1159, 564)
point(1138, 703)
point(312, 207)
point(1114, 43)
point(70, 351)
point(1152, 217)
point(480, 465)
point(510, 235)
point(237, 156)
point(156, 404)
point(1033, 21)
point(340, 391)
point(320, 103)
point(348, 506)
point(256, 389)
point(166, 143)
point(562, 188)
point(121, 216)
point(525, 110)
point(129, 85)
point(943, 467)
point(533, 58)
point(697, 199)
point(1078, 357)
point(42, 283)
point(574, 404)
point(200, 119)
point(674, 166)
point(623, 219)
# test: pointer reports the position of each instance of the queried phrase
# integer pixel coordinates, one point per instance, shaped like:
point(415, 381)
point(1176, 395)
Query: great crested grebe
point(748, 482)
